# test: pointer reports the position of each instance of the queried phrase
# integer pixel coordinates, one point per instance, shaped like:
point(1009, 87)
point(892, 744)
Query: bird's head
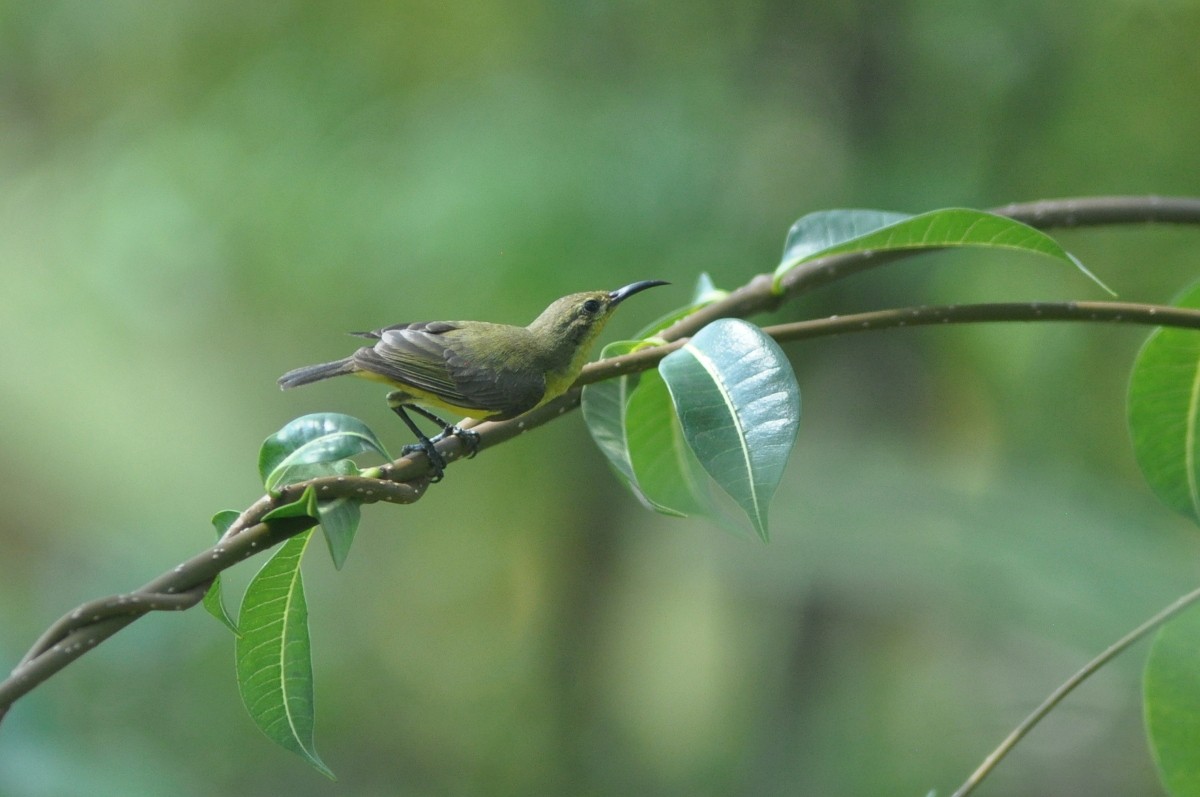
point(576, 320)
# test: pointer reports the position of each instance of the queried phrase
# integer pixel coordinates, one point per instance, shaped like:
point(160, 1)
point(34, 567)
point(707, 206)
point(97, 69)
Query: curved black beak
point(621, 294)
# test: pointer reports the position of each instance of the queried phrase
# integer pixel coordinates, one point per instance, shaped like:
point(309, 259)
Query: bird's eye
point(591, 306)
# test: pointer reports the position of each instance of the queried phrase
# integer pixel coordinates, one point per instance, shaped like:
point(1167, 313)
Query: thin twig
point(1067, 686)
point(1100, 210)
point(1107, 312)
point(1046, 214)
point(1155, 315)
point(184, 585)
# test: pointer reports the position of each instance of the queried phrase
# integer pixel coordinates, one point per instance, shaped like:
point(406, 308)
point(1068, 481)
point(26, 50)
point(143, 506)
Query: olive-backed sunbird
point(475, 368)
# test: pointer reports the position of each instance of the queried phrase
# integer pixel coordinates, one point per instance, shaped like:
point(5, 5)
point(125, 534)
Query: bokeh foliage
point(195, 197)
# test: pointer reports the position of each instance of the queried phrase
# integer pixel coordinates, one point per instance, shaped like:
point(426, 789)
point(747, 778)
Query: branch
point(1155, 315)
point(184, 585)
point(403, 481)
point(1068, 686)
point(1099, 210)
point(1053, 213)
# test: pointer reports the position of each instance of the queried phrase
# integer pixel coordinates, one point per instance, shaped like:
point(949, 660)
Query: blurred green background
point(196, 197)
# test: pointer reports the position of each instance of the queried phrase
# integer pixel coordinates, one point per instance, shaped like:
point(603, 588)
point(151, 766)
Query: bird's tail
point(315, 373)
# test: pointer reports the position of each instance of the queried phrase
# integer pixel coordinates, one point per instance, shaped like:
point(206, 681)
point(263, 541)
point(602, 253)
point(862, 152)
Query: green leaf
point(604, 405)
point(223, 520)
point(705, 294)
point(832, 232)
point(303, 471)
point(633, 421)
point(320, 437)
point(338, 517)
point(274, 661)
point(739, 405)
point(1171, 689)
point(214, 602)
point(818, 232)
point(304, 506)
point(1164, 413)
point(339, 520)
point(665, 469)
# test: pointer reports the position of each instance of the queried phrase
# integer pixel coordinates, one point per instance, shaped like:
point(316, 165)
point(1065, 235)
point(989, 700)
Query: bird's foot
point(437, 463)
point(469, 438)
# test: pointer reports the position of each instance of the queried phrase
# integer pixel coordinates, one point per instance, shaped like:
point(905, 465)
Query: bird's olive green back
point(479, 369)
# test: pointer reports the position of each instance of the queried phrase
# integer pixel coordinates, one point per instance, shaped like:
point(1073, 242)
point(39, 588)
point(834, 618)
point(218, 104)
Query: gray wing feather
point(431, 357)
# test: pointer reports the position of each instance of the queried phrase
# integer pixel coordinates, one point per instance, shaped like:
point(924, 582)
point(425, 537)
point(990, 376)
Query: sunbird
point(477, 369)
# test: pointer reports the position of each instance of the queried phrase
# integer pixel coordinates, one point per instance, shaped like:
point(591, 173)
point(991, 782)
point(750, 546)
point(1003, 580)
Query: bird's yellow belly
point(426, 399)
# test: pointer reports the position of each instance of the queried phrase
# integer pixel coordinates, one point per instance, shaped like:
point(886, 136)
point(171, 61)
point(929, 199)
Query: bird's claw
point(469, 437)
point(437, 463)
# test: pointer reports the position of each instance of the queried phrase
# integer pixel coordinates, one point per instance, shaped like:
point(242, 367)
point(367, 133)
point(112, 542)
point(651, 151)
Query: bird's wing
point(430, 357)
point(494, 383)
point(433, 327)
point(413, 355)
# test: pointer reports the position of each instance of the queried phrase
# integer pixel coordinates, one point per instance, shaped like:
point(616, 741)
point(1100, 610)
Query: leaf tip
point(1087, 272)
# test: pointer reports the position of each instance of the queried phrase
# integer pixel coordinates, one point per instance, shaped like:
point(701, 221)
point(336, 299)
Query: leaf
point(603, 405)
point(633, 421)
point(214, 602)
point(665, 469)
point(705, 294)
point(223, 520)
point(1164, 413)
point(339, 520)
point(274, 661)
point(339, 517)
point(303, 471)
point(818, 232)
point(739, 406)
point(832, 232)
point(304, 506)
point(1171, 689)
point(320, 437)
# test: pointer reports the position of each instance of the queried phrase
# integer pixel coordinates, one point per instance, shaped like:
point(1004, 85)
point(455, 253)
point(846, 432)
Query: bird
point(477, 369)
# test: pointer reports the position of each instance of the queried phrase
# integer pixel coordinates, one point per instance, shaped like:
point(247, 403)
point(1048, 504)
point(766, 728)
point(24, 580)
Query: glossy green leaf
point(665, 469)
point(303, 471)
point(274, 661)
point(223, 520)
point(339, 521)
point(304, 506)
point(706, 290)
point(1164, 413)
point(214, 602)
point(339, 517)
point(739, 406)
point(832, 232)
point(632, 419)
point(816, 233)
point(1171, 688)
point(604, 405)
point(705, 294)
point(320, 437)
